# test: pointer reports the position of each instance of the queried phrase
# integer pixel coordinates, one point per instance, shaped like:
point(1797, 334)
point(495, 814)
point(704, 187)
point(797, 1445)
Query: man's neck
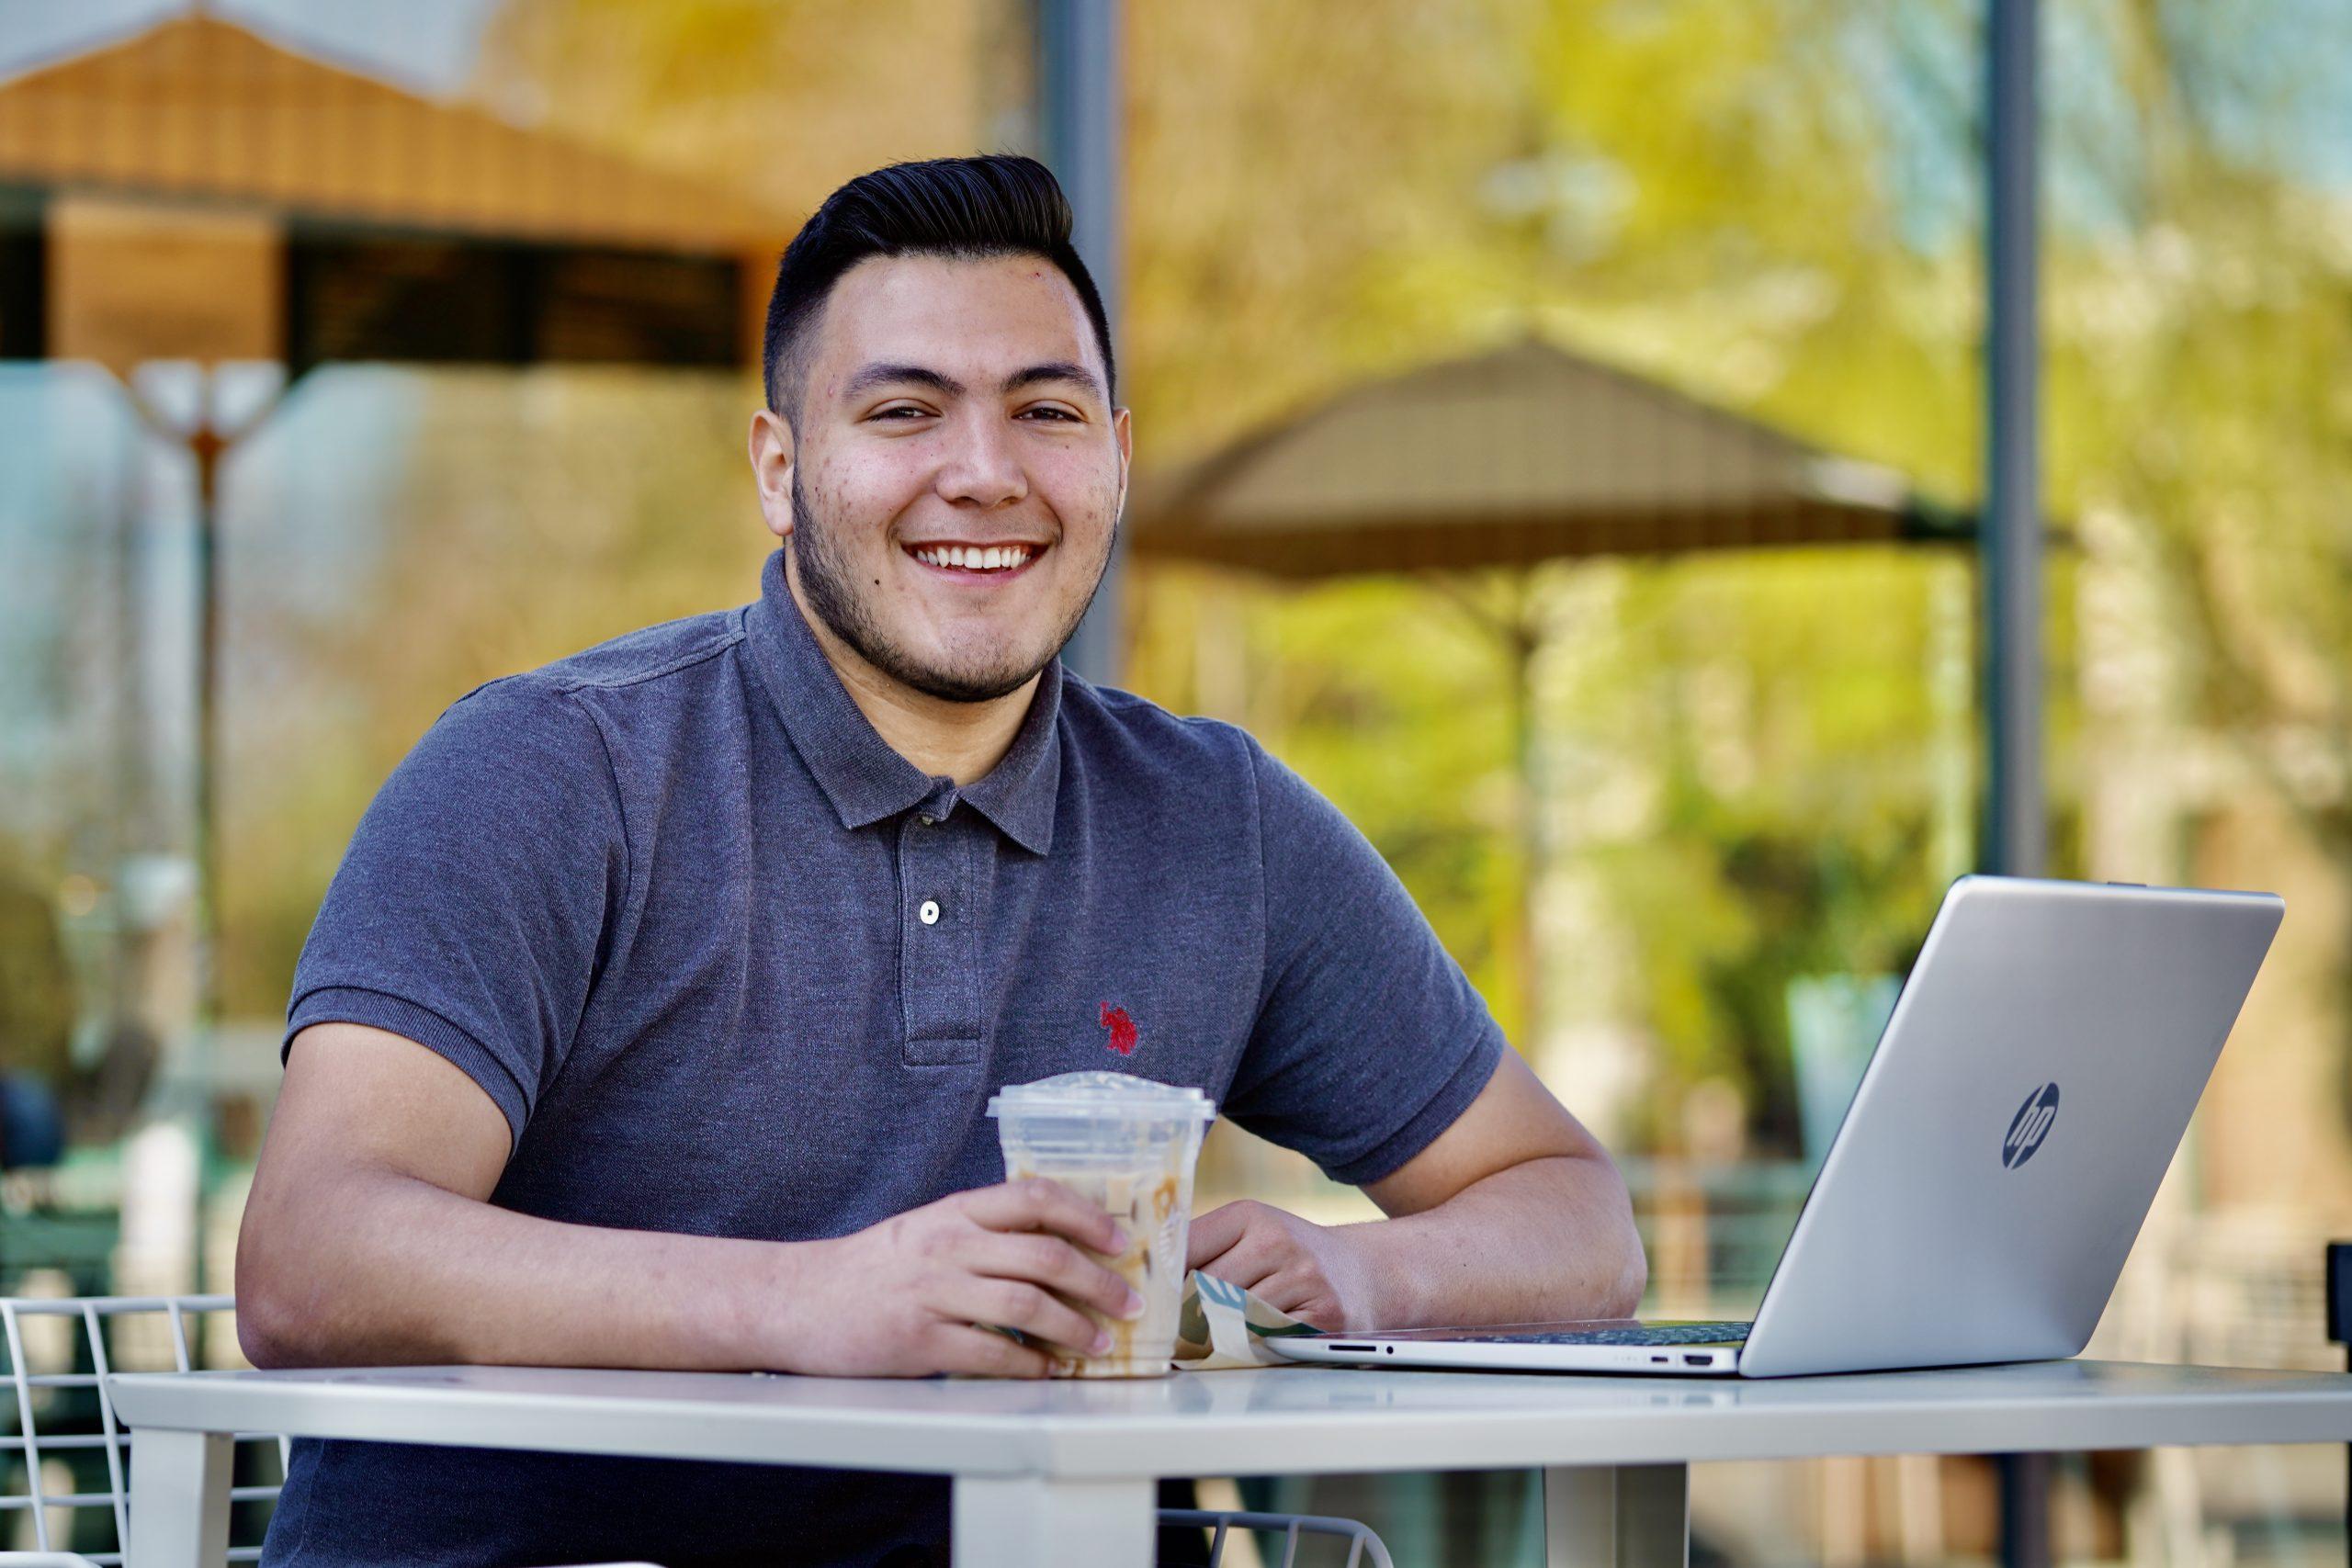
point(962, 741)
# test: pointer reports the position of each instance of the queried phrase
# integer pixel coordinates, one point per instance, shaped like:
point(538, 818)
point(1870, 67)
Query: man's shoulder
point(1202, 766)
point(647, 654)
point(1119, 731)
point(548, 707)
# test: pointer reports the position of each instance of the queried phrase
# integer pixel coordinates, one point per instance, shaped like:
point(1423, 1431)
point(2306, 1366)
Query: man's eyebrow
point(1053, 370)
point(873, 376)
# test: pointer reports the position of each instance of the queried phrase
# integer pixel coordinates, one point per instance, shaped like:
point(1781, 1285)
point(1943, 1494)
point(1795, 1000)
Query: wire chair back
point(102, 1335)
point(1365, 1548)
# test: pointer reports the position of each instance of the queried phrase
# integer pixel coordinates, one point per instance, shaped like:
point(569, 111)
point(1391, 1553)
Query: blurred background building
point(1560, 435)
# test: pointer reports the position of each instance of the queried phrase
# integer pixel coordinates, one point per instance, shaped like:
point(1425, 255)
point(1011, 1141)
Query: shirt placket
point(939, 942)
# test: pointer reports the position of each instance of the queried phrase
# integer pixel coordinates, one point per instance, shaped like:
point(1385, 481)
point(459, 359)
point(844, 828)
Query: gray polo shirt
point(730, 966)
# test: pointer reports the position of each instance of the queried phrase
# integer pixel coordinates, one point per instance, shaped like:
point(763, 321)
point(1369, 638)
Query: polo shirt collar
point(861, 776)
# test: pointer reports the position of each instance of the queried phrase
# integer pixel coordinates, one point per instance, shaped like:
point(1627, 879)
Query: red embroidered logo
point(1122, 1028)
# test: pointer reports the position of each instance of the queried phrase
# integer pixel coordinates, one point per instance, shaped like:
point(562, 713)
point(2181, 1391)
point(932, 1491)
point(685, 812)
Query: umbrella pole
point(1522, 638)
point(1519, 632)
point(207, 444)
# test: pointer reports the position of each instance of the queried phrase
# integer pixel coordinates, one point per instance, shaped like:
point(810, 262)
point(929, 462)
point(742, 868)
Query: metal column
point(2016, 835)
point(2016, 830)
point(1079, 101)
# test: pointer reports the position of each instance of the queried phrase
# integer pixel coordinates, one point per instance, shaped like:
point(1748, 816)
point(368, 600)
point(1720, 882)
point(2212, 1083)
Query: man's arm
point(368, 1239)
point(1513, 1214)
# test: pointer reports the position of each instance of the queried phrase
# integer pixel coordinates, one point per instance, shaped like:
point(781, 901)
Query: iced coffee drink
point(1128, 1144)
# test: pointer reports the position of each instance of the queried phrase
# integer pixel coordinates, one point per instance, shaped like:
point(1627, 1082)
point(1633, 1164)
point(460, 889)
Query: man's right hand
point(901, 1299)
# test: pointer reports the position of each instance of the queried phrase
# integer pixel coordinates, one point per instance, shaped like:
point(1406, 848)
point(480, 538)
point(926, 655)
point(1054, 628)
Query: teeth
point(995, 557)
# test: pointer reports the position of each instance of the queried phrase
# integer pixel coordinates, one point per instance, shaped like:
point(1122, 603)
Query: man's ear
point(1122, 428)
point(773, 453)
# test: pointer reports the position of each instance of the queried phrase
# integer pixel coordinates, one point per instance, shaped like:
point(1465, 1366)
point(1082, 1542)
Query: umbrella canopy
point(1510, 457)
point(198, 192)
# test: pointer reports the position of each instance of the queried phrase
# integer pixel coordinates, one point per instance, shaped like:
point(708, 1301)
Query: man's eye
point(897, 411)
point(1052, 413)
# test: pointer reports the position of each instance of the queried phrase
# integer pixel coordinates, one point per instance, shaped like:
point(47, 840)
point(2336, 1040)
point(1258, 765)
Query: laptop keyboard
point(1636, 1333)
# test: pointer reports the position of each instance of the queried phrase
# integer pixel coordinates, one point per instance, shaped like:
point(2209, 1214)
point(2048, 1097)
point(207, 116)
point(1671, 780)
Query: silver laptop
point(1994, 1167)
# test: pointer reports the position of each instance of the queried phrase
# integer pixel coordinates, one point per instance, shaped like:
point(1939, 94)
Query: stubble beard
point(829, 587)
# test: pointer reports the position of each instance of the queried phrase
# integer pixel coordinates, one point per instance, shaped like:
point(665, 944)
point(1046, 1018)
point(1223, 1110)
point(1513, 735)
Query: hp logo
point(2031, 1126)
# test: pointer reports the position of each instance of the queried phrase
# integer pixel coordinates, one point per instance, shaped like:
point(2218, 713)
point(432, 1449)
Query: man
point(651, 1018)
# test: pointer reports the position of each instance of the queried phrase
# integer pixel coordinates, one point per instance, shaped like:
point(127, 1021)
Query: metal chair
point(2339, 1326)
point(110, 1330)
point(109, 1326)
point(1363, 1545)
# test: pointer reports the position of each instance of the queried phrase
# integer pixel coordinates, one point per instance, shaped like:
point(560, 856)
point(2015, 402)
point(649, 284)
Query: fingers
point(1035, 1203)
point(1215, 1232)
point(979, 1352)
point(1054, 1263)
point(1038, 1314)
point(1246, 1243)
point(1246, 1266)
point(1320, 1311)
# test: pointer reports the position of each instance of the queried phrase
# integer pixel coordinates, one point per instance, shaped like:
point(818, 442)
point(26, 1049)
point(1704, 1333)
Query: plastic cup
point(1128, 1144)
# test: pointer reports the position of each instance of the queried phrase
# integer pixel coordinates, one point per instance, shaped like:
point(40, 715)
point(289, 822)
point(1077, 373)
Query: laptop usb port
point(1698, 1358)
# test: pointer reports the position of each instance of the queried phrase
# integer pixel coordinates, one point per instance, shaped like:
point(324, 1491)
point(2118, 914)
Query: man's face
point(954, 473)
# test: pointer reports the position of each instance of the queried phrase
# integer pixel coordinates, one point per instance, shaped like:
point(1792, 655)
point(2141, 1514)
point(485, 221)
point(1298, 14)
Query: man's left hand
point(1318, 1273)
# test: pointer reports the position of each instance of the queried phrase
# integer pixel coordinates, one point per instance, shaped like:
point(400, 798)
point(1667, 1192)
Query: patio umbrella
point(1502, 461)
point(196, 192)
point(1507, 458)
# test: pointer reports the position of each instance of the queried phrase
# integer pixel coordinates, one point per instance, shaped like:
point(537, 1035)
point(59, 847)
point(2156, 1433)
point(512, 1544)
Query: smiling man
point(651, 1016)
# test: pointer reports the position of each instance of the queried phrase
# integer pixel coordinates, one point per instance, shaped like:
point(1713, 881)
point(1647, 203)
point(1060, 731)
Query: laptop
point(1994, 1166)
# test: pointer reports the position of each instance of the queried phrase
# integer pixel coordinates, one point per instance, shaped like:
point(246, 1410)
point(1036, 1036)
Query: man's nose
point(983, 467)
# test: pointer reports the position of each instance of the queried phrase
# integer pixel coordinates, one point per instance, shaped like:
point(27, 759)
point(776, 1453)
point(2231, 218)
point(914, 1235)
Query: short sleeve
point(1369, 1041)
point(471, 912)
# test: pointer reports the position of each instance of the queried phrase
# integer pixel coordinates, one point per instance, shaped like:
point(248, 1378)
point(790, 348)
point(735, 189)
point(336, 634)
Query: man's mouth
point(976, 561)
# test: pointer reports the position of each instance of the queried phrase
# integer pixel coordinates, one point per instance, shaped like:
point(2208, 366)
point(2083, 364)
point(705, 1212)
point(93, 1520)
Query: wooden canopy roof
point(199, 107)
point(195, 191)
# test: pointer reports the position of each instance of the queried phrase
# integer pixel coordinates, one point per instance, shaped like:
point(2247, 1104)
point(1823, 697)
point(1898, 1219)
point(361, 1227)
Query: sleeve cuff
point(380, 1009)
point(1452, 1098)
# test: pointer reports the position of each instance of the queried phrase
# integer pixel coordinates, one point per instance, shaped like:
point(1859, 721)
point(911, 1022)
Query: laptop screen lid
point(2011, 1128)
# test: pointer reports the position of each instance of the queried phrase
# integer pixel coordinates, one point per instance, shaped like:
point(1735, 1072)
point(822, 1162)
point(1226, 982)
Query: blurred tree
point(35, 987)
point(2201, 319)
point(783, 98)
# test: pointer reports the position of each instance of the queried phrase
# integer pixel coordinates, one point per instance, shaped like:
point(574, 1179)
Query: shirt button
point(929, 912)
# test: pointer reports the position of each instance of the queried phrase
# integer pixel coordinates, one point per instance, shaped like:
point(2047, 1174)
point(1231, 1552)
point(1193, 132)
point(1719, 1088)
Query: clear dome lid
point(1101, 1094)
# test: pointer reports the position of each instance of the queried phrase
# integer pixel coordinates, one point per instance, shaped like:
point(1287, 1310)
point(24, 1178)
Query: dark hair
point(967, 209)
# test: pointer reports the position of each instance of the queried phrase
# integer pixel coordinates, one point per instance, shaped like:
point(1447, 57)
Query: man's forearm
point(385, 1269)
point(1547, 1240)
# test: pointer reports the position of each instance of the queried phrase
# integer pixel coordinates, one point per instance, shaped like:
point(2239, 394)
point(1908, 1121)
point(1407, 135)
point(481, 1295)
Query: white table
point(1061, 1474)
